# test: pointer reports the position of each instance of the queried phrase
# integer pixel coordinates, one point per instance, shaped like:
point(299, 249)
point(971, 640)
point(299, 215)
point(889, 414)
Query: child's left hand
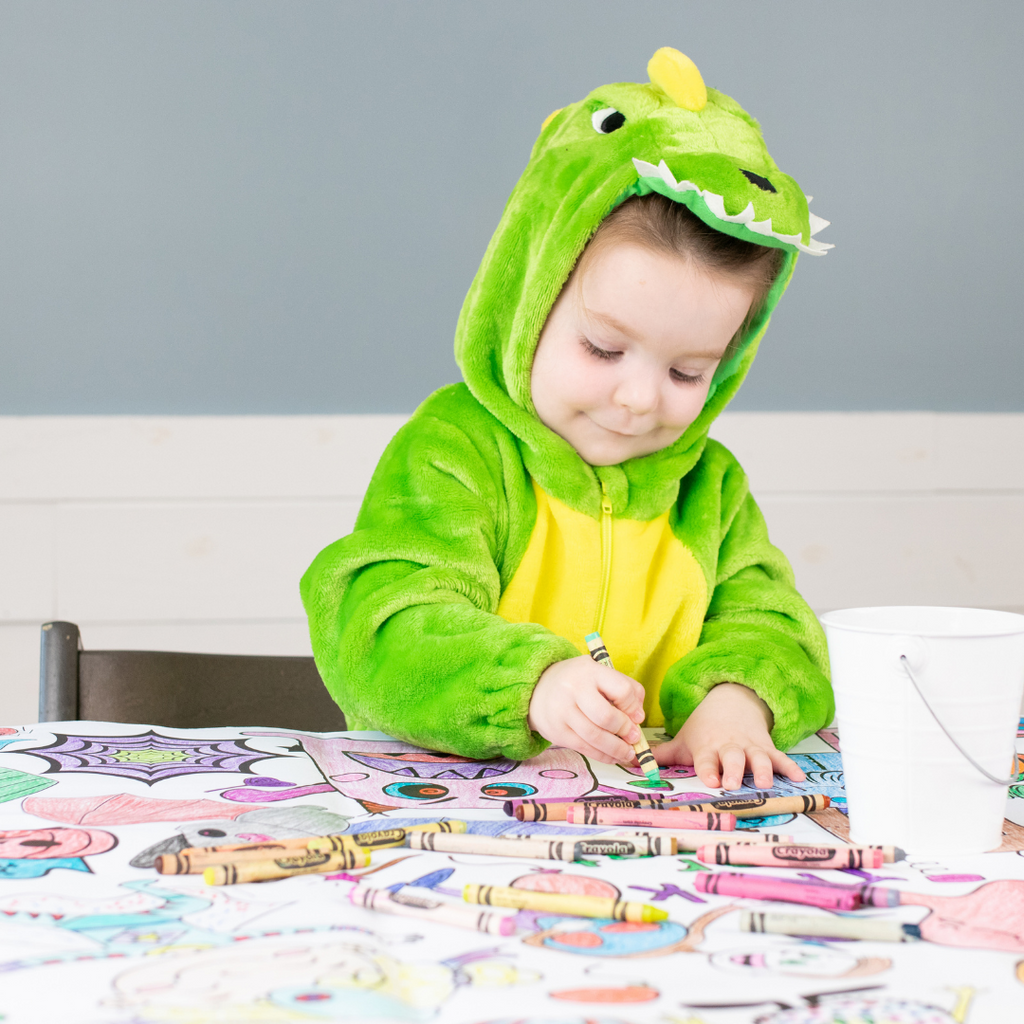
point(726, 736)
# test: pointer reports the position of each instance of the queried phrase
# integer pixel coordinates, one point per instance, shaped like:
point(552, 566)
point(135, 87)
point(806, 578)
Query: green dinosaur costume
point(486, 548)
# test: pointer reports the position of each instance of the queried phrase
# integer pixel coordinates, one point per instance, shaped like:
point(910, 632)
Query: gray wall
point(209, 206)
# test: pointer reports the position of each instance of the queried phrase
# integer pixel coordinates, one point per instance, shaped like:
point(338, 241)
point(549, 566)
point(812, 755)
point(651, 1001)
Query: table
point(90, 933)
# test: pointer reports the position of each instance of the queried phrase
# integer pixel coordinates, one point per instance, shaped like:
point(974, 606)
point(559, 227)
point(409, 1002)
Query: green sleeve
point(758, 630)
point(402, 612)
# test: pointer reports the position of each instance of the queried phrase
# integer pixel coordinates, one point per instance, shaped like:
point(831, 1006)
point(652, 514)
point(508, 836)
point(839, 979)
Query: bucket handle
point(988, 775)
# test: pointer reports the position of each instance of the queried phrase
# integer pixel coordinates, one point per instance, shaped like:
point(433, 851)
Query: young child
point(569, 485)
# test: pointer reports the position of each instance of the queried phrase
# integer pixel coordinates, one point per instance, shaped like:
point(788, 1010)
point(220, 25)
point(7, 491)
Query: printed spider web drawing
point(148, 757)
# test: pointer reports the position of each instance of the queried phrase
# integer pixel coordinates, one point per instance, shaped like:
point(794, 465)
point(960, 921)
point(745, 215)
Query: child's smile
point(625, 359)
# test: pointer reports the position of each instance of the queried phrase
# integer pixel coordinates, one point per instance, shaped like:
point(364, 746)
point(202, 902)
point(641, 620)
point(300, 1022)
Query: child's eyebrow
point(616, 325)
point(609, 321)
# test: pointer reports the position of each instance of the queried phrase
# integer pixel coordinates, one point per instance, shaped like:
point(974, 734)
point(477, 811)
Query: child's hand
point(726, 736)
point(588, 707)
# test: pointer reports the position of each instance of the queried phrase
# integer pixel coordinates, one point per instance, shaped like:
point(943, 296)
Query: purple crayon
point(779, 889)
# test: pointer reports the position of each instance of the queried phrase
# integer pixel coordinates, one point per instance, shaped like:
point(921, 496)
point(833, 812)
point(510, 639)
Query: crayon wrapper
point(754, 887)
point(758, 807)
point(425, 909)
point(196, 861)
point(867, 929)
point(284, 867)
point(379, 839)
point(530, 811)
point(651, 818)
point(560, 903)
point(790, 856)
point(271, 846)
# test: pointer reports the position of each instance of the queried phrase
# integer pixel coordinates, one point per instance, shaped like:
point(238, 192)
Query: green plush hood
point(696, 146)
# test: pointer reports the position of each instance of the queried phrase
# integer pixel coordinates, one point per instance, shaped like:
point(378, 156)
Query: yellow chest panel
point(656, 594)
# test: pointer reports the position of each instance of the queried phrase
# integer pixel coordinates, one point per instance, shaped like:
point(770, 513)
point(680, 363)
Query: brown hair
point(659, 224)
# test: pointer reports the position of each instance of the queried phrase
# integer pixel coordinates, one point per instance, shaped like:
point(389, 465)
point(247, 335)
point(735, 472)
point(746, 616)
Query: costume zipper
point(606, 555)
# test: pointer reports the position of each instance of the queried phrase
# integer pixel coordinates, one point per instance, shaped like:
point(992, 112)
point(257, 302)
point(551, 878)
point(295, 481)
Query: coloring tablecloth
point(91, 934)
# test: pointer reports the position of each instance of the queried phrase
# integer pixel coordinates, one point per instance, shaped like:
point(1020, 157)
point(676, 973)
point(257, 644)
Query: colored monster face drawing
point(50, 843)
point(385, 774)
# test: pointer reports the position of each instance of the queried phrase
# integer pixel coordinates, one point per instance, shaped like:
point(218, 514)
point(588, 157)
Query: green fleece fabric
point(402, 611)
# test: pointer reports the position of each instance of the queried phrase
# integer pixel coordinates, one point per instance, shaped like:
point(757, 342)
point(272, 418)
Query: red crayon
point(779, 889)
point(592, 814)
point(767, 855)
point(510, 806)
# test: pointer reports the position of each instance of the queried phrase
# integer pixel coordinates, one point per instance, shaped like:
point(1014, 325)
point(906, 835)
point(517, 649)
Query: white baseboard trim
point(191, 533)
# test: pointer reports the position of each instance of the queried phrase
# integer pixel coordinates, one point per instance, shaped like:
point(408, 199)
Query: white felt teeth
point(817, 223)
point(716, 204)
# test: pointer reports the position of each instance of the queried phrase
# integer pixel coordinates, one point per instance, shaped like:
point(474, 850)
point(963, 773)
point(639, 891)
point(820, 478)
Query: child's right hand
point(588, 707)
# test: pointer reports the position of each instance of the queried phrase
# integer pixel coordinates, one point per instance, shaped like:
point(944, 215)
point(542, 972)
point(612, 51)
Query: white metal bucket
point(930, 781)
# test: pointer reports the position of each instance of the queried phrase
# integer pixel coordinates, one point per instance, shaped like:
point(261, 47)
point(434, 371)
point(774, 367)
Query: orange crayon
point(531, 810)
point(593, 814)
point(761, 806)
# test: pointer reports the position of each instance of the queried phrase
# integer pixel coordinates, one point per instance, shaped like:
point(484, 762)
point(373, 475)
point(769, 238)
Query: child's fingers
point(761, 767)
point(577, 743)
point(705, 764)
point(607, 716)
point(675, 751)
point(625, 693)
point(734, 764)
point(613, 747)
point(786, 765)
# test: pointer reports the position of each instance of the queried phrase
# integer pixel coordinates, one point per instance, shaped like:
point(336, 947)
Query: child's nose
point(638, 393)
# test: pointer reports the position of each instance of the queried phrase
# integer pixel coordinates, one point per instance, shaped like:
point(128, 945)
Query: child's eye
point(687, 378)
point(607, 120)
point(600, 353)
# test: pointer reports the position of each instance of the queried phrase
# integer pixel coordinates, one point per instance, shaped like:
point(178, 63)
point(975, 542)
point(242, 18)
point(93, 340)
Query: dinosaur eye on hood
point(607, 120)
point(761, 182)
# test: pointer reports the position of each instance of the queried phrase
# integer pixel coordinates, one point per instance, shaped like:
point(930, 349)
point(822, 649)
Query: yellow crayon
point(284, 867)
point(382, 838)
point(562, 903)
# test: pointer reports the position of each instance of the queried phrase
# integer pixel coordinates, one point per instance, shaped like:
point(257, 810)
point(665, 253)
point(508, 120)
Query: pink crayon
point(767, 855)
point(594, 814)
point(779, 889)
point(870, 895)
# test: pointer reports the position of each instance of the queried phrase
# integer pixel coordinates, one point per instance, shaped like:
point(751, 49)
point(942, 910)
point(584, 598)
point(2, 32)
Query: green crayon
point(642, 748)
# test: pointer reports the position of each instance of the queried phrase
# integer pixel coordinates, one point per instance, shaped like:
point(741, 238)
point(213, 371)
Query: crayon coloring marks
point(32, 853)
point(387, 774)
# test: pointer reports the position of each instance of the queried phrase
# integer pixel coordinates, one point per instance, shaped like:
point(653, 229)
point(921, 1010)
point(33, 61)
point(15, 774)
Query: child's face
point(624, 368)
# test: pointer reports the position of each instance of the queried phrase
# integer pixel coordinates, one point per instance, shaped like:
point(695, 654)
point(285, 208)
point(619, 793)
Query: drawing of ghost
point(149, 917)
point(389, 774)
point(258, 826)
point(807, 960)
point(322, 977)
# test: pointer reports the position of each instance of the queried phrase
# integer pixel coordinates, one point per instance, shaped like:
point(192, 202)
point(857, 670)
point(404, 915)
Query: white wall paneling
point(191, 533)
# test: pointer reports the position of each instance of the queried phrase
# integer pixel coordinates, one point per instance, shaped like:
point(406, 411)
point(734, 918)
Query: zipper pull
point(606, 504)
